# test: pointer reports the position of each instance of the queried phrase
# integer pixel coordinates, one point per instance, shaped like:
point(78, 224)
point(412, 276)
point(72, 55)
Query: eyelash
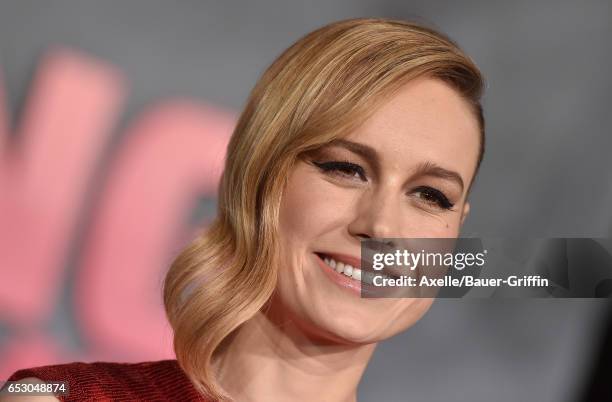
point(347, 169)
point(341, 168)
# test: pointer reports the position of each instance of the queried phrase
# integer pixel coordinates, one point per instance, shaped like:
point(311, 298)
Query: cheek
point(416, 223)
point(308, 208)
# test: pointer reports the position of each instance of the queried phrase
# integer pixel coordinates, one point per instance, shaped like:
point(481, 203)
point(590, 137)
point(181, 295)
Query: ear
point(465, 212)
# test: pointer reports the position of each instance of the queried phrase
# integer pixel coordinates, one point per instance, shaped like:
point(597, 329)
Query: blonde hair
point(317, 90)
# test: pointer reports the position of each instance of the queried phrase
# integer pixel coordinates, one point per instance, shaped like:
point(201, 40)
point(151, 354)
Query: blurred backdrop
point(114, 117)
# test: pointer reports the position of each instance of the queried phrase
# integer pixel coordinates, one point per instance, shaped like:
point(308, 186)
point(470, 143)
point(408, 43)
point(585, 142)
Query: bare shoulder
point(20, 398)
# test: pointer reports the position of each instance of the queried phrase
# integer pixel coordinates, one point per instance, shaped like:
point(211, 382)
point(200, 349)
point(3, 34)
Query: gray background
point(547, 169)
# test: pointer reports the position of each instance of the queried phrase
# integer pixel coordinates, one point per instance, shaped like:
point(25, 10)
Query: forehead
point(425, 120)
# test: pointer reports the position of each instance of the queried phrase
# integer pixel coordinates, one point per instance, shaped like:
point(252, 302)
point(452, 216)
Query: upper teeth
point(350, 270)
point(343, 268)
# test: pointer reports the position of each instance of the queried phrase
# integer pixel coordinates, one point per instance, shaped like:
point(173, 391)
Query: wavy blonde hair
point(317, 90)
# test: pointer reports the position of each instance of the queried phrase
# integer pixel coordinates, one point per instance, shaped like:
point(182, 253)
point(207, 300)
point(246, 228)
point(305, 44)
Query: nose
point(376, 216)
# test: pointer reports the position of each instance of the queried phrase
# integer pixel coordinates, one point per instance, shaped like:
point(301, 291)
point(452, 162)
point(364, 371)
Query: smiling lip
point(354, 286)
point(350, 284)
point(346, 259)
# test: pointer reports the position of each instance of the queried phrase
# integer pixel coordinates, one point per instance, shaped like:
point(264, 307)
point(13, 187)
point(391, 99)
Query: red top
point(100, 381)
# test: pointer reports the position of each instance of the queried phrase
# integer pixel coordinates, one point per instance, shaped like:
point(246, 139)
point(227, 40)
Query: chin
point(365, 325)
point(353, 332)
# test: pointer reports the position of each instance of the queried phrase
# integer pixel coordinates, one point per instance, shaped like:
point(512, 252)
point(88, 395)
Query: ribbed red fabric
point(102, 381)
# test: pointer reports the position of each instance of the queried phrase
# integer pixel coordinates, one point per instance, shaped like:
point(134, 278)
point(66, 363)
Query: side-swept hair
point(319, 89)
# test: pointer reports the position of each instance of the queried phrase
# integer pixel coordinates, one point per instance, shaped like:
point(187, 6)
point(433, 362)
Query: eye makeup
point(342, 168)
point(434, 196)
point(330, 163)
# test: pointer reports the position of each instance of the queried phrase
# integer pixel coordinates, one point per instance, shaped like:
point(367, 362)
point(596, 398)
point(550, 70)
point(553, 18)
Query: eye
point(433, 197)
point(343, 169)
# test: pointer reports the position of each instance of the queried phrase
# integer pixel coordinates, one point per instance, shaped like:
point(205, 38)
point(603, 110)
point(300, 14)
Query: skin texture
point(315, 340)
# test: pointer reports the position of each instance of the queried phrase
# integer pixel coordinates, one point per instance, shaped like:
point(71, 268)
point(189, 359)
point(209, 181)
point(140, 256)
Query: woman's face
point(404, 173)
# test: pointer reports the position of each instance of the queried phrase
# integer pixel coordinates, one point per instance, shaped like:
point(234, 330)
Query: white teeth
point(343, 268)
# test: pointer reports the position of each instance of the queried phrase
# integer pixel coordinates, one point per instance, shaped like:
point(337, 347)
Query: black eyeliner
point(343, 166)
point(348, 167)
point(441, 199)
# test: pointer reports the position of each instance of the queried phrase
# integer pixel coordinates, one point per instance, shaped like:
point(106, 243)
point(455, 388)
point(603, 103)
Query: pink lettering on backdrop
point(66, 120)
point(169, 156)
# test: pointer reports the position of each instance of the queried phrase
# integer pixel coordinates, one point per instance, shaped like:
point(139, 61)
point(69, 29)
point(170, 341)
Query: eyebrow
point(426, 168)
point(432, 169)
point(365, 151)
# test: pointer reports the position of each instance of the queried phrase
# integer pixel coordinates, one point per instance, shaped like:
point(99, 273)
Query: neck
point(269, 359)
